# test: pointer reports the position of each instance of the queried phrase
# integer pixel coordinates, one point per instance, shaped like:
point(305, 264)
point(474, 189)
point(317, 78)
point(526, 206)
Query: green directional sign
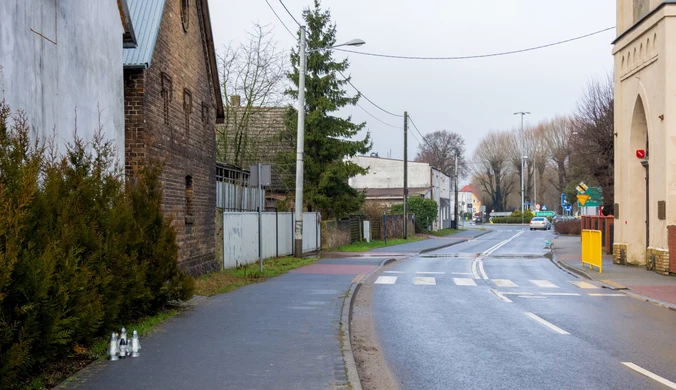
point(594, 197)
point(545, 213)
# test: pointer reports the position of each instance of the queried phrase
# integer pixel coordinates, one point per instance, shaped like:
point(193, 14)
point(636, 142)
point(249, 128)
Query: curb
point(451, 244)
point(348, 357)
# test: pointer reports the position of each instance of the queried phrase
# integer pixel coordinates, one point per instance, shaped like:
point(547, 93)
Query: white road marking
point(394, 272)
point(500, 295)
point(544, 283)
point(515, 293)
point(481, 269)
point(501, 244)
point(386, 280)
point(475, 274)
point(461, 273)
point(532, 296)
point(606, 295)
point(504, 283)
point(650, 375)
point(547, 324)
point(427, 281)
point(464, 282)
point(562, 294)
point(585, 285)
point(431, 273)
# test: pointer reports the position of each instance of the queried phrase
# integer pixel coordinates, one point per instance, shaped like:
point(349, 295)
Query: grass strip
point(446, 232)
point(232, 279)
point(365, 246)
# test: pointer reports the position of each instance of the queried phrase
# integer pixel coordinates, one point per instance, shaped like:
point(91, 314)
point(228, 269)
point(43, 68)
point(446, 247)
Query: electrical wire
point(378, 119)
point(288, 12)
point(280, 20)
point(504, 53)
point(369, 100)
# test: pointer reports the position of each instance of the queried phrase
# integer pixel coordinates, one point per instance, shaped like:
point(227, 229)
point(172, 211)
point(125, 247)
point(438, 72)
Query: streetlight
point(298, 242)
point(522, 113)
point(522, 190)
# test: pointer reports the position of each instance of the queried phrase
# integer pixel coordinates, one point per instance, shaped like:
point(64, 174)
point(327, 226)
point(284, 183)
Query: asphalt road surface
point(495, 313)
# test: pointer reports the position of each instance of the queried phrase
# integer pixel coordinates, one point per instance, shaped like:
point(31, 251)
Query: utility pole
point(300, 146)
point(522, 113)
point(455, 207)
point(405, 175)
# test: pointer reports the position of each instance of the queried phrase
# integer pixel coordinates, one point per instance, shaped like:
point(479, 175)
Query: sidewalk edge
point(453, 243)
point(348, 356)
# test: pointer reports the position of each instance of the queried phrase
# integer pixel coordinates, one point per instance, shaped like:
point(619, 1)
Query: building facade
point(468, 201)
point(645, 133)
point(60, 63)
point(172, 103)
point(384, 181)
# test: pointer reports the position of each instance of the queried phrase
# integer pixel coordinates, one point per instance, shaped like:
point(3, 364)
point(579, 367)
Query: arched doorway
point(639, 173)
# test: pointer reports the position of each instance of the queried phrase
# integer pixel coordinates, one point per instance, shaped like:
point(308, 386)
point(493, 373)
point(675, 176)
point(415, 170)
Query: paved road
point(494, 313)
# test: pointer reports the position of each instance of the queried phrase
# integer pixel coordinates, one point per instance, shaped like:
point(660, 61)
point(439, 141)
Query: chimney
point(234, 100)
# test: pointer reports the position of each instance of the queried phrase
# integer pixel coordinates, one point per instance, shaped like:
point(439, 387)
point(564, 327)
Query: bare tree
point(557, 133)
point(491, 168)
point(253, 76)
point(439, 150)
point(594, 137)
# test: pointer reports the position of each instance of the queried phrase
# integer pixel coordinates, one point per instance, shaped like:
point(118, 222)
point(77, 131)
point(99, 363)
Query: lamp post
point(522, 189)
point(300, 147)
point(522, 113)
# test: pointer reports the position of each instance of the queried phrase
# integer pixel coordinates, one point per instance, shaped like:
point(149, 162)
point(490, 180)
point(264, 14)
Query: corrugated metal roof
point(146, 16)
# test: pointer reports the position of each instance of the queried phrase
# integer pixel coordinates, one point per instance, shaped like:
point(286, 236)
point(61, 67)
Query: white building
point(62, 60)
point(384, 183)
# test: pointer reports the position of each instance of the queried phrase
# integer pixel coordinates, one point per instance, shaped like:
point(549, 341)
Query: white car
point(540, 223)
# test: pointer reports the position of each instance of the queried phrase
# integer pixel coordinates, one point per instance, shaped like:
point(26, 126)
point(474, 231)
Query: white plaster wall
point(60, 56)
point(388, 173)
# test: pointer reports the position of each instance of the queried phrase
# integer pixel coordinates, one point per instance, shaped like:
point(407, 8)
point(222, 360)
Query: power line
point(418, 130)
point(504, 53)
point(378, 119)
point(288, 12)
point(369, 100)
point(280, 20)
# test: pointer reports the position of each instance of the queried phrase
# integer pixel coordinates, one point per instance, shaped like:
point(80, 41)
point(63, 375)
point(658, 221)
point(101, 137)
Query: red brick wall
point(672, 247)
point(187, 150)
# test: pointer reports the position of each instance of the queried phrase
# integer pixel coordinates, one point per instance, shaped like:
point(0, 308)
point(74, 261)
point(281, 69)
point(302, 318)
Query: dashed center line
point(650, 375)
point(547, 324)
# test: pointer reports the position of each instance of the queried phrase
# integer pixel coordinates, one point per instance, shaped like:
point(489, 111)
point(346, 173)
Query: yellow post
point(592, 249)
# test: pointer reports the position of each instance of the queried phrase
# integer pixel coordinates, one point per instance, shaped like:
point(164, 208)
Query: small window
point(185, 14)
point(187, 108)
point(167, 95)
point(188, 197)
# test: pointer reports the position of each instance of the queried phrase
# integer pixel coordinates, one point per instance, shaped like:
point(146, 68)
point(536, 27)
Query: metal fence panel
point(240, 238)
point(232, 196)
point(311, 232)
point(285, 240)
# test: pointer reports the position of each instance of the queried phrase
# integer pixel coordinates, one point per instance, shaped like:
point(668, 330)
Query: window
point(185, 14)
point(167, 95)
point(187, 108)
point(188, 200)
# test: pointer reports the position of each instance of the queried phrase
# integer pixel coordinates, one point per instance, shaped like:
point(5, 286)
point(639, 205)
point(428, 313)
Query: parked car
point(540, 223)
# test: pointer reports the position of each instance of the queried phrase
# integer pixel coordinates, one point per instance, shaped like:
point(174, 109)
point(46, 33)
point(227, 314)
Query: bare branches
point(439, 150)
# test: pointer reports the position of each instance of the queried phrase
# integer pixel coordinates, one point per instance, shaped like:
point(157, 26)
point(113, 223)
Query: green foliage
point(425, 211)
point(328, 138)
point(80, 252)
point(527, 214)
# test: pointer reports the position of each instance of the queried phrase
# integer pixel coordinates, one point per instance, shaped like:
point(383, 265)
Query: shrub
point(425, 211)
point(568, 227)
point(80, 252)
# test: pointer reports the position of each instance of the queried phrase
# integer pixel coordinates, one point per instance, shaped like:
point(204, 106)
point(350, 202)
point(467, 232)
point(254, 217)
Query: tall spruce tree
point(328, 138)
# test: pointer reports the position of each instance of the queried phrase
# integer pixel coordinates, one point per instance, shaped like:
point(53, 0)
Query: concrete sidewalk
point(413, 248)
point(634, 280)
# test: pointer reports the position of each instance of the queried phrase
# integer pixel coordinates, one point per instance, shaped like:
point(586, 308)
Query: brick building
point(172, 103)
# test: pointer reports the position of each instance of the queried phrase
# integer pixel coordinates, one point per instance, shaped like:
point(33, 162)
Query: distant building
point(468, 201)
point(60, 63)
point(385, 180)
point(252, 135)
point(645, 93)
point(172, 102)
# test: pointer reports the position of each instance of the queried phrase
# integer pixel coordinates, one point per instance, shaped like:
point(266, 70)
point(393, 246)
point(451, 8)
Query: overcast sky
point(470, 97)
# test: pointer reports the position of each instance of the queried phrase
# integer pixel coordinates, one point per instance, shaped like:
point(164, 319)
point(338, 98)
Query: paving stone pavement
point(637, 279)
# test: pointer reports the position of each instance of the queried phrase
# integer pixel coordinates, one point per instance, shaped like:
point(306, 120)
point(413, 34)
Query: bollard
point(112, 348)
point(135, 345)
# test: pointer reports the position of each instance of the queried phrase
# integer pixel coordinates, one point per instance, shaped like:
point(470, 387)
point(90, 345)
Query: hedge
point(81, 251)
point(425, 211)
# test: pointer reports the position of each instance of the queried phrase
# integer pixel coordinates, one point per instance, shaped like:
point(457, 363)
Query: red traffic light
point(640, 153)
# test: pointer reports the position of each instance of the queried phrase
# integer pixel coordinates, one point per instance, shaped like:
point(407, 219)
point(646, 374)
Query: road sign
point(545, 213)
point(640, 153)
point(543, 208)
point(563, 199)
point(568, 207)
point(583, 198)
point(581, 187)
point(537, 207)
